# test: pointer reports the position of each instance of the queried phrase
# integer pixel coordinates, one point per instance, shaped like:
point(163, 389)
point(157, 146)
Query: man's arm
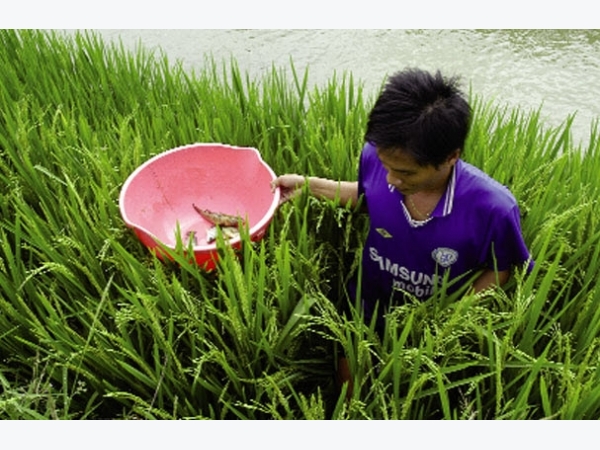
point(345, 192)
point(490, 278)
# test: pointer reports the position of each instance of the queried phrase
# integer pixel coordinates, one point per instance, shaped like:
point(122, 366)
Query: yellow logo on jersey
point(383, 232)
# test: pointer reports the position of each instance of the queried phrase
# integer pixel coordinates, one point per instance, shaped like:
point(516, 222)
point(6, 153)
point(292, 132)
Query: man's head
point(423, 115)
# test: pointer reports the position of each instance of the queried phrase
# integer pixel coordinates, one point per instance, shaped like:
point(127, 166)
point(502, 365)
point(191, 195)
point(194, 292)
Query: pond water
point(557, 70)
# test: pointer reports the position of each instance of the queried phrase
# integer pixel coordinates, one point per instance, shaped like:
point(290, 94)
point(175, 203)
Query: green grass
point(93, 326)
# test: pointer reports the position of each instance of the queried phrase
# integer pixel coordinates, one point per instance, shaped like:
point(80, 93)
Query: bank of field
point(93, 326)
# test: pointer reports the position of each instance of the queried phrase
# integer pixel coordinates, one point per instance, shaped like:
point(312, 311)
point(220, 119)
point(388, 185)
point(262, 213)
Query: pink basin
point(157, 199)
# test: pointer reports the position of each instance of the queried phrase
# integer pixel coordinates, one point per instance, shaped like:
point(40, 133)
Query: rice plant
point(94, 326)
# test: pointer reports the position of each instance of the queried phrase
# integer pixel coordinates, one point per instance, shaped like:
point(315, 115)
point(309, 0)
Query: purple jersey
point(475, 225)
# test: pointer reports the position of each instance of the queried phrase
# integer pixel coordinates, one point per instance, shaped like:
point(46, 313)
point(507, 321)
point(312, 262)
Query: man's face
point(408, 177)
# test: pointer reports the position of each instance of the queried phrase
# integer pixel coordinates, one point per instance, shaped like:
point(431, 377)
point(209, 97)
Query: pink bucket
point(157, 200)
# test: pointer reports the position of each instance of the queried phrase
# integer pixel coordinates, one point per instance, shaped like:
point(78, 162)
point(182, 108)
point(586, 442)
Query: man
point(431, 214)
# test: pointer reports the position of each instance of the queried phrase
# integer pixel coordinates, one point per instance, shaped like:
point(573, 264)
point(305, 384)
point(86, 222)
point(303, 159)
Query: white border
point(308, 14)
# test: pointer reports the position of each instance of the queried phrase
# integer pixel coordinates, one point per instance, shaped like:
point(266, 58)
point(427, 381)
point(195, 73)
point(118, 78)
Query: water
point(557, 70)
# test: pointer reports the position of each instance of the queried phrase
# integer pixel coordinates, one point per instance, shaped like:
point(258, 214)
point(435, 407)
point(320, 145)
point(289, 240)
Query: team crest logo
point(445, 257)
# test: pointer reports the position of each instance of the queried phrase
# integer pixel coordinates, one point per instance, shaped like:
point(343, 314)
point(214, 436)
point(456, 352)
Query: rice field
point(93, 326)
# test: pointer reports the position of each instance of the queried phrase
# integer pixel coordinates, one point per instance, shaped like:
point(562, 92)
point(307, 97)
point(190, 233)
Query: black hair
point(423, 114)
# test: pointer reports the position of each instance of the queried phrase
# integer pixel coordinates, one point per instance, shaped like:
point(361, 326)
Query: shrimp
point(217, 218)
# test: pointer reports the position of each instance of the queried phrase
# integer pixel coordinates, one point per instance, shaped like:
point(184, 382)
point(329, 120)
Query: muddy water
point(557, 70)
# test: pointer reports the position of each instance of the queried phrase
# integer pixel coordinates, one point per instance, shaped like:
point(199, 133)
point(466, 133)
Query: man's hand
point(290, 186)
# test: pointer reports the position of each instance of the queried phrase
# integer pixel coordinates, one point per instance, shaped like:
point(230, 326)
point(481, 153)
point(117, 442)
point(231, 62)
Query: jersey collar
point(444, 206)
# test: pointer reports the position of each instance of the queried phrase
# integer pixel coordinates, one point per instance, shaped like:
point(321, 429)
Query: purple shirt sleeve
point(506, 245)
